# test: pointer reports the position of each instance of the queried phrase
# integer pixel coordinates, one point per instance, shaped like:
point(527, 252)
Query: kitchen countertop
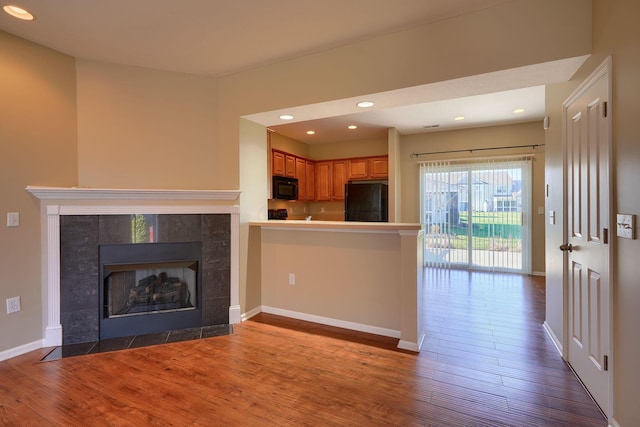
point(344, 226)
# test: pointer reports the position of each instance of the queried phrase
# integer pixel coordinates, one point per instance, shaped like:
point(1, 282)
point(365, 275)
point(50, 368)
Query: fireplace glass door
point(149, 287)
point(138, 289)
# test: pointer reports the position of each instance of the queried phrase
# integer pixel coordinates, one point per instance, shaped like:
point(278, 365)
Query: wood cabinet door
point(339, 178)
point(310, 172)
point(323, 180)
point(277, 164)
point(289, 165)
point(301, 174)
point(357, 169)
point(379, 167)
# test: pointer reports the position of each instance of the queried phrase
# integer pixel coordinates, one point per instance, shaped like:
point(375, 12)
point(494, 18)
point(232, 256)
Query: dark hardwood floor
point(486, 362)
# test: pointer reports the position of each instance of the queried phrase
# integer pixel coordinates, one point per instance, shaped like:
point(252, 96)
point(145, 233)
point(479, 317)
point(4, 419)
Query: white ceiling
point(219, 37)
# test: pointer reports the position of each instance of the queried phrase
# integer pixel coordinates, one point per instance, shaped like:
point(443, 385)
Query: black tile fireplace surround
point(81, 237)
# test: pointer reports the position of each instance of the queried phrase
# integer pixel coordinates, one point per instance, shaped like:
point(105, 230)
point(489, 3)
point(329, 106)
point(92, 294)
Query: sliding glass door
point(477, 215)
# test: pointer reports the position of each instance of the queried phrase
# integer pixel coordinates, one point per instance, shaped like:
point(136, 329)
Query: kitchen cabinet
point(283, 164)
point(305, 172)
point(379, 167)
point(310, 169)
point(338, 179)
point(331, 176)
point(289, 166)
point(277, 163)
point(368, 168)
point(323, 180)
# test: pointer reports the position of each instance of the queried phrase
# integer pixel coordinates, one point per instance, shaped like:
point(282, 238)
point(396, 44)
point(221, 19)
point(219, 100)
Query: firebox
point(149, 288)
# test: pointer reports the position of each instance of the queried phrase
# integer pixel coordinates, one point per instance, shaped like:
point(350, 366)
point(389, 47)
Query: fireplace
point(119, 279)
point(70, 262)
point(148, 288)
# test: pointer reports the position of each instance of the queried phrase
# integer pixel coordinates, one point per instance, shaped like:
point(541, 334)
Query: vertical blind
point(477, 213)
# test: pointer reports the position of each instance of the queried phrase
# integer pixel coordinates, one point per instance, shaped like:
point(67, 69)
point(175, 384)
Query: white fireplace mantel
point(88, 193)
point(54, 206)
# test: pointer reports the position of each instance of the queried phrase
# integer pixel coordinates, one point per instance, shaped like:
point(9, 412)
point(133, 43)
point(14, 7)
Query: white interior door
point(587, 267)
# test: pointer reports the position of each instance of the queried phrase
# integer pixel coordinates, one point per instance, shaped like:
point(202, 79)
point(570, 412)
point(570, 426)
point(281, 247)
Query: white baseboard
point(411, 346)
point(333, 322)
point(538, 273)
point(23, 349)
point(554, 338)
point(613, 423)
point(249, 314)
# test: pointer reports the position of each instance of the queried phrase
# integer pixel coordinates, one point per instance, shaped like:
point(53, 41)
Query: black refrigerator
point(366, 201)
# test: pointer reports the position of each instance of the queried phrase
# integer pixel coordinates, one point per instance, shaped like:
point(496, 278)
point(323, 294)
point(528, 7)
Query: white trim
point(332, 322)
point(556, 342)
point(234, 313)
point(81, 193)
point(411, 346)
point(249, 314)
point(20, 350)
point(613, 423)
point(538, 273)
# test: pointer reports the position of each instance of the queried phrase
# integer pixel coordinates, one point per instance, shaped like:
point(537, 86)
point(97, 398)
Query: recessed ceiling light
point(286, 117)
point(365, 104)
point(352, 127)
point(311, 132)
point(18, 12)
point(458, 118)
point(518, 110)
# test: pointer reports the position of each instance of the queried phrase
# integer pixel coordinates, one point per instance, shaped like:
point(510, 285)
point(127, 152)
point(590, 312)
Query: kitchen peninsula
point(356, 275)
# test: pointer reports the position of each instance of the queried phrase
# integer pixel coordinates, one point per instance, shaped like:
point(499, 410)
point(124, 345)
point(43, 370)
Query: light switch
point(625, 226)
point(540, 210)
point(13, 219)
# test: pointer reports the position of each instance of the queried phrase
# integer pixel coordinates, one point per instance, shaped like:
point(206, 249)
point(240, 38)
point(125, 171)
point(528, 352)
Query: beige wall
point(141, 128)
point(347, 149)
point(289, 145)
point(531, 133)
point(352, 277)
point(38, 140)
point(616, 33)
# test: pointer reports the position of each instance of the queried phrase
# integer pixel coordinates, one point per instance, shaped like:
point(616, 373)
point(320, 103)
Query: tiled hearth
point(75, 224)
point(131, 342)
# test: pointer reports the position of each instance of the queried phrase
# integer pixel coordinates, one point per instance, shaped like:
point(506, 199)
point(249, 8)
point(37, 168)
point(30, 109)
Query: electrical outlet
point(13, 305)
point(292, 279)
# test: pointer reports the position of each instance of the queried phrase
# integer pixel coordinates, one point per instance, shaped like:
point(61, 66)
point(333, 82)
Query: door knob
point(566, 247)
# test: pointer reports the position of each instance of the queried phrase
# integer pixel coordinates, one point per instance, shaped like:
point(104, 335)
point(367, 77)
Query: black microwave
point(285, 188)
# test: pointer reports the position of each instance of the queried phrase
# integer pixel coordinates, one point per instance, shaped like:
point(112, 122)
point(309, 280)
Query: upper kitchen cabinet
point(330, 179)
point(379, 167)
point(283, 164)
point(305, 172)
point(338, 179)
point(323, 180)
point(368, 168)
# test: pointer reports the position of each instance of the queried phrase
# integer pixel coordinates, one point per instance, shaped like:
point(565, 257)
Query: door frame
point(602, 71)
